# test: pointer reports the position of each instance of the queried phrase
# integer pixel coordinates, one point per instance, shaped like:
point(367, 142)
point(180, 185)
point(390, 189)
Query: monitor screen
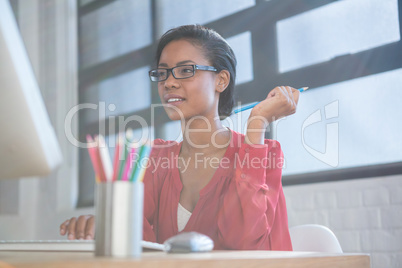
point(28, 144)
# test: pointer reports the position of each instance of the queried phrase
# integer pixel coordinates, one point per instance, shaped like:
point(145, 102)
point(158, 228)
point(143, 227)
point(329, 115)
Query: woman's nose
point(171, 82)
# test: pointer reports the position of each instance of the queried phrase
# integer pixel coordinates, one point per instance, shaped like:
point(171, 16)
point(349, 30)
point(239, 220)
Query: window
point(112, 31)
point(343, 125)
point(195, 11)
point(242, 47)
point(340, 28)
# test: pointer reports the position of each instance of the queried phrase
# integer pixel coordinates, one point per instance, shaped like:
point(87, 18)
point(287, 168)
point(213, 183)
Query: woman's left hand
point(280, 102)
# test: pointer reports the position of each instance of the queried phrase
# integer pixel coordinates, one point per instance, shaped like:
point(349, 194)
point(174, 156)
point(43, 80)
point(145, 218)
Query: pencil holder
point(119, 219)
point(136, 219)
point(103, 219)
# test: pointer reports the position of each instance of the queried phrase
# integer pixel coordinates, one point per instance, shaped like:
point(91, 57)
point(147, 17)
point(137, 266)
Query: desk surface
point(271, 259)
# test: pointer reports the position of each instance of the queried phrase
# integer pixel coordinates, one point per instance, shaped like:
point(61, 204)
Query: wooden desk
point(271, 259)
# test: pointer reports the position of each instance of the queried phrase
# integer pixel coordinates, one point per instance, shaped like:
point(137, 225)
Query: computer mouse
point(189, 242)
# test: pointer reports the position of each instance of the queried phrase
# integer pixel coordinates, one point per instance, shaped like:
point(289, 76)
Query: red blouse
point(242, 207)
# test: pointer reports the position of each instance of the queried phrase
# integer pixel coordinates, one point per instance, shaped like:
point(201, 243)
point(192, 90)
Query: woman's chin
point(174, 115)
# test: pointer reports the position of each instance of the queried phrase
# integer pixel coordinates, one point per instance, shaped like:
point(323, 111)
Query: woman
point(216, 181)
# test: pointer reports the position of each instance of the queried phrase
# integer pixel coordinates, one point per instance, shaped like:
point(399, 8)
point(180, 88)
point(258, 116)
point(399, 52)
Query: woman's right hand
point(80, 228)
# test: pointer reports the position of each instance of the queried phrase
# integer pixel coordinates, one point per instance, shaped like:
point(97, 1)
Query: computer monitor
point(28, 144)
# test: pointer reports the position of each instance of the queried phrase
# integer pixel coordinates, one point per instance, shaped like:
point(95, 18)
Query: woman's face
point(189, 97)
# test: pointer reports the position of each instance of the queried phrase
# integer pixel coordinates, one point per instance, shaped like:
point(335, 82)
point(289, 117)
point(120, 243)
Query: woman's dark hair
point(215, 49)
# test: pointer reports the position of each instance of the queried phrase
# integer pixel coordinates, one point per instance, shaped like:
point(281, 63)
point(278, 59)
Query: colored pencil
point(116, 162)
point(129, 164)
point(144, 163)
point(136, 163)
point(140, 164)
point(101, 169)
point(93, 157)
point(105, 158)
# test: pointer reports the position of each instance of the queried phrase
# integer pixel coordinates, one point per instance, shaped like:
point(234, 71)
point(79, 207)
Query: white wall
point(365, 214)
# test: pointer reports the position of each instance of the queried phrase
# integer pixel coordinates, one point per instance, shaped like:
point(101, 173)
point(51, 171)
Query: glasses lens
point(184, 71)
point(158, 74)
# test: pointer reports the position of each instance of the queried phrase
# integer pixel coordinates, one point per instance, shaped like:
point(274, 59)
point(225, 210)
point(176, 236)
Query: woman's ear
point(223, 79)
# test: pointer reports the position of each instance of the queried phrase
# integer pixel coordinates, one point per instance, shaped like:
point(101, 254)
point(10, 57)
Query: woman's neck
point(203, 135)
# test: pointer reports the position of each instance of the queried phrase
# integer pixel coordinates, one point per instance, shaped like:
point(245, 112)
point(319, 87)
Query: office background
point(342, 151)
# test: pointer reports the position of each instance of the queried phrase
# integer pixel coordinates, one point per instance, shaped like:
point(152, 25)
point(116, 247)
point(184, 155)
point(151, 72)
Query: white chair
point(314, 237)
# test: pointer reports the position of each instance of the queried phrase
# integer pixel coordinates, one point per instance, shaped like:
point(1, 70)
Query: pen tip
point(304, 88)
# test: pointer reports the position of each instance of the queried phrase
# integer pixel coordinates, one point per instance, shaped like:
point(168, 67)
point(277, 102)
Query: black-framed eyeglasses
point(178, 72)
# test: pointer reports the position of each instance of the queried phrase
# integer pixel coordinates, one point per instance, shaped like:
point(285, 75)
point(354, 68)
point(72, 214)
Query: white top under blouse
point(183, 215)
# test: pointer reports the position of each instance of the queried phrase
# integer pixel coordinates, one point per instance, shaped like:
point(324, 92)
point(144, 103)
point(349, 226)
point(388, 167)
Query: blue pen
point(241, 109)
